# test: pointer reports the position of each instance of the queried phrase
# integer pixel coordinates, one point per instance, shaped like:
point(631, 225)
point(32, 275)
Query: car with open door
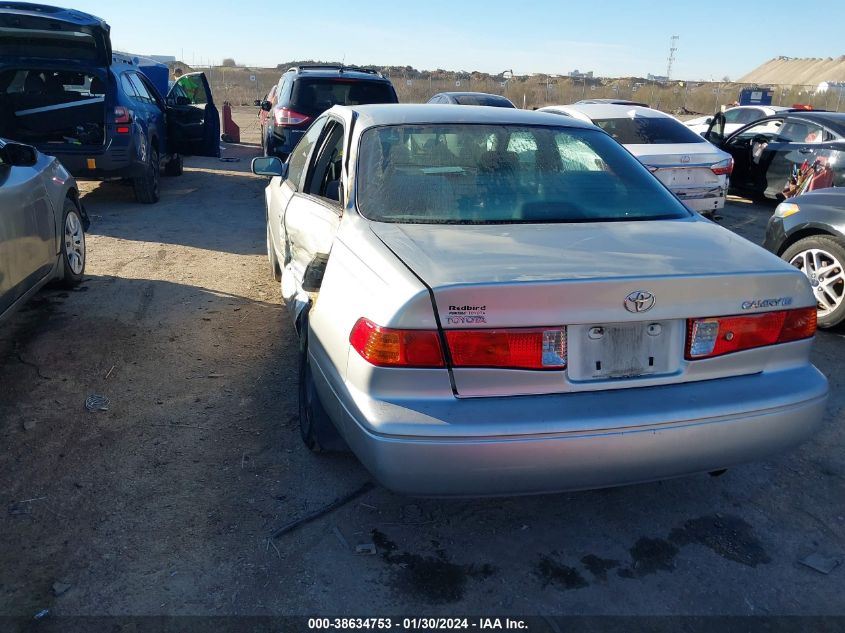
point(735, 118)
point(42, 225)
point(492, 301)
point(64, 91)
point(784, 155)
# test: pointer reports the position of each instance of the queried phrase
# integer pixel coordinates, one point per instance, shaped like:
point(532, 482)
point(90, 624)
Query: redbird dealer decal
point(467, 315)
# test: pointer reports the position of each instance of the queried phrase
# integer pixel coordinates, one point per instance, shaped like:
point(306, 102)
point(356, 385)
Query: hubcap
point(74, 243)
point(826, 275)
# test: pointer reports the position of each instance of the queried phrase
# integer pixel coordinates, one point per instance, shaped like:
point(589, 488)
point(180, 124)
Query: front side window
point(497, 174)
point(298, 160)
point(770, 129)
point(638, 130)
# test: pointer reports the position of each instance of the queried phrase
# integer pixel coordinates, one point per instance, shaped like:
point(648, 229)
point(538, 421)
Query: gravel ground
point(163, 503)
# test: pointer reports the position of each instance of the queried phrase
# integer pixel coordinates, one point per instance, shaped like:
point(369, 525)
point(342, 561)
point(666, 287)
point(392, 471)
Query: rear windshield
point(313, 96)
point(484, 100)
point(496, 174)
point(648, 130)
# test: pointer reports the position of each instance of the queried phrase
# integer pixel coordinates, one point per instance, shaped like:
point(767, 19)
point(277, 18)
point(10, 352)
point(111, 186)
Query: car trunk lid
point(40, 32)
point(582, 276)
point(681, 166)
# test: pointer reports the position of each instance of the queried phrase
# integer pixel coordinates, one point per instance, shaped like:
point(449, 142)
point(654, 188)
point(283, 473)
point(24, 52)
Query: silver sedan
point(495, 301)
point(42, 225)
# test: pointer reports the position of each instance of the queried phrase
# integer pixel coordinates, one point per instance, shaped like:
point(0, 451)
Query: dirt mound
point(794, 71)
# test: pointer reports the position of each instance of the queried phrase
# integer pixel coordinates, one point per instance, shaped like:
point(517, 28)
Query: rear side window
point(140, 89)
point(648, 131)
point(127, 86)
point(504, 174)
point(313, 96)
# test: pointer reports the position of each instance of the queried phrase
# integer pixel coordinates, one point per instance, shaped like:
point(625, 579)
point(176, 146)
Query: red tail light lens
point(385, 347)
point(724, 168)
point(708, 338)
point(287, 117)
point(122, 115)
point(510, 349)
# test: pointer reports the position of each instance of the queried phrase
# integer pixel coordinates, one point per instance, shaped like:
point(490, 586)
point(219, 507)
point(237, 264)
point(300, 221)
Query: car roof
point(337, 71)
point(427, 113)
point(471, 94)
point(69, 16)
point(612, 111)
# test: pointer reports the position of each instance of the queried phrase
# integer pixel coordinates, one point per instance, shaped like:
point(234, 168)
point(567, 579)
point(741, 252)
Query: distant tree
point(726, 79)
point(229, 63)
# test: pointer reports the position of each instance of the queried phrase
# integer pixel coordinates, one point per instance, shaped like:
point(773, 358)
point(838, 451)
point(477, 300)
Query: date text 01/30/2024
point(417, 624)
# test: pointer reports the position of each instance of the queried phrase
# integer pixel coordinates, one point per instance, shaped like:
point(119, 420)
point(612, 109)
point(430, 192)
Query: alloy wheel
point(827, 276)
point(74, 243)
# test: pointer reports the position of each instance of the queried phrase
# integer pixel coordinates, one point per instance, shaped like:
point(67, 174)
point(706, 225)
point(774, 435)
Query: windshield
point(648, 131)
point(484, 100)
point(314, 96)
point(483, 174)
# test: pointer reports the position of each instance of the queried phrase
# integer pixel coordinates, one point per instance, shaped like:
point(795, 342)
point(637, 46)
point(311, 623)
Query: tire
point(175, 167)
point(825, 253)
point(147, 186)
point(275, 270)
point(73, 246)
point(316, 428)
point(269, 145)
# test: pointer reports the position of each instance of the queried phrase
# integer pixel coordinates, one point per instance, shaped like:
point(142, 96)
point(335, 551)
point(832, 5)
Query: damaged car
point(491, 301)
point(64, 91)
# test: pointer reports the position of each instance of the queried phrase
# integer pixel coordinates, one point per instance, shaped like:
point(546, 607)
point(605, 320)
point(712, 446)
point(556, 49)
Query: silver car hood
point(443, 255)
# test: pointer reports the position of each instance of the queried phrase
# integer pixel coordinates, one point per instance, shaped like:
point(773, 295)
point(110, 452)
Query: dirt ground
point(162, 505)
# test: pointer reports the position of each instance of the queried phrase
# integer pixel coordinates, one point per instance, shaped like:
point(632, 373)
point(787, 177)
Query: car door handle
point(805, 150)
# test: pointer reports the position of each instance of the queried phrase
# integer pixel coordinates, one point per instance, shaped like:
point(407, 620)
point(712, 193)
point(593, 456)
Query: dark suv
point(63, 90)
point(305, 92)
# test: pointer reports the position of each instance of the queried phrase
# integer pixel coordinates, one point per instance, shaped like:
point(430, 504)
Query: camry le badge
point(639, 302)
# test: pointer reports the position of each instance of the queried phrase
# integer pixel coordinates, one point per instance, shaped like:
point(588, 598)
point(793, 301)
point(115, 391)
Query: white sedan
point(694, 170)
point(735, 118)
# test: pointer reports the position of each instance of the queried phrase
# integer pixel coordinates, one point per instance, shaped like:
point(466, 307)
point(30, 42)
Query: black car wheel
point(316, 428)
point(175, 166)
point(147, 185)
point(822, 259)
point(73, 246)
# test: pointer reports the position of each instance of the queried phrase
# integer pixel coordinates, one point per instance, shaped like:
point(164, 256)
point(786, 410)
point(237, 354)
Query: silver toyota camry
point(42, 225)
point(495, 302)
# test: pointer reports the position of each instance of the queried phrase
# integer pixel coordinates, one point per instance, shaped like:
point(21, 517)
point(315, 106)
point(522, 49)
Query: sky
point(610, 38)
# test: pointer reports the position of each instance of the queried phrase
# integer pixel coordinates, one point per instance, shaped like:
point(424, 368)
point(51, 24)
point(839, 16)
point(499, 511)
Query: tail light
point(386, 347)
point(723, 168)
point(538, 348)
point(509, 349)
point(708, 338)
point(122, 115)
point(287, 117)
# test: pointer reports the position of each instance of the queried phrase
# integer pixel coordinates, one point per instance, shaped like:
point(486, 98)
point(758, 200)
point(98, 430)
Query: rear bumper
point(284, 139)
point(99, 163)
point(596, 440)
point(703, 199)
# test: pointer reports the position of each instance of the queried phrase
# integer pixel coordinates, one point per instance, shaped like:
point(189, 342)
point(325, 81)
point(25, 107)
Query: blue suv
point(63, 90)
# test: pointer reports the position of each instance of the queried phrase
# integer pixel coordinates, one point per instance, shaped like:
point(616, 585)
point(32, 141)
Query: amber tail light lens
point(386, 347)
point(717, 336)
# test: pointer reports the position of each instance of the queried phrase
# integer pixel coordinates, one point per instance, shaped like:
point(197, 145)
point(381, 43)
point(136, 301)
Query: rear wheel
point(147, 185)
point(174, 167)
point(822, 259)
point(275, 270)
point(73, 246)
point(316, 428)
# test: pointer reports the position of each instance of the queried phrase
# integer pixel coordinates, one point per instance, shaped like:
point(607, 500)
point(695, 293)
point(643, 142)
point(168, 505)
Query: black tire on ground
point(174, 167)
point(316, 428)
point(834, 247)
point(73, 246)
point(275, 269)
point(147, 185)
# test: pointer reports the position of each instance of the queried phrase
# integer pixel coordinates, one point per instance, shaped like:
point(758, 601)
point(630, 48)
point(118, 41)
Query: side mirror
point(18, 155)
point(257, 103)
point(266, 106)
point(708, 120)
point(269, 166)
point(183, 101)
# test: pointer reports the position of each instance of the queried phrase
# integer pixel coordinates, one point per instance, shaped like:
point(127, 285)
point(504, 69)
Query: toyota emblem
point(640, 301)
point(685, 159)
